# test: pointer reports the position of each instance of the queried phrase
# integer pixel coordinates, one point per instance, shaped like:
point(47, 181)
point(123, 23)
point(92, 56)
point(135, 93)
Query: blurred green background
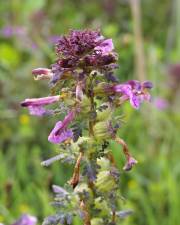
point(147, 37)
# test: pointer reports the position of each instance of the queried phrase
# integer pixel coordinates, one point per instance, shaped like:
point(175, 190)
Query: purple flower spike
point(130, 163)
point(35, 105)
point(60, 132)
point(42, 73)
point(105, 46)
point(26, 220)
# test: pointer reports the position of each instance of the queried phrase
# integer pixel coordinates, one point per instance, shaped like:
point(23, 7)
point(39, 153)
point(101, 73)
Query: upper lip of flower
point(66, 122)
point(39, 71)
point(105, 47)
point(40, 101)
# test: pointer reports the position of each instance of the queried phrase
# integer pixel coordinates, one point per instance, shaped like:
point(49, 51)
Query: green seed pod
point(85, 104)
point(104, 115)
point(96, 221)
point(100, 89)
point(101, 130)
point(105, 181)
point(101, 205)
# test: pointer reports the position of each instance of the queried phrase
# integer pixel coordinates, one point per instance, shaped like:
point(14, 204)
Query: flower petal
point(57, 135)
point(42, 73)
point(39, 111)
point(105, 46)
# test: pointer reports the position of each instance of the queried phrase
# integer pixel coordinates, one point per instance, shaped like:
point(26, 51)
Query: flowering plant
point(83, 85)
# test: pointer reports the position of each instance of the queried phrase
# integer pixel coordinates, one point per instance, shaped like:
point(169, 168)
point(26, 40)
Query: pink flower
point(133, 90)
point(36, 105)
point(42, 73)
point(60, 132)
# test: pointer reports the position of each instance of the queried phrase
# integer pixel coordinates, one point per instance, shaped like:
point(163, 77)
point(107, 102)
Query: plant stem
point(92, 107)
point(87, 220)
point(113, 217)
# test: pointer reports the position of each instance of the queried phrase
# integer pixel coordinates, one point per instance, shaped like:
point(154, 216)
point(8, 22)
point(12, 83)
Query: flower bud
point(130, 163)
point(42, 74)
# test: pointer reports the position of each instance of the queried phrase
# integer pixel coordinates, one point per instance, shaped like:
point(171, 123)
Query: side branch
point(130, 160)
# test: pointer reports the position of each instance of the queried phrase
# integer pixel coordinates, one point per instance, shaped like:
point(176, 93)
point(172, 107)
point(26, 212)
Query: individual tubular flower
point(36, 105)
point(42, 74)
point(133, 90)
point(60, 132)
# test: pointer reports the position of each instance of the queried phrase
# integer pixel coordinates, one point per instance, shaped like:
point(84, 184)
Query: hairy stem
point(92, 108)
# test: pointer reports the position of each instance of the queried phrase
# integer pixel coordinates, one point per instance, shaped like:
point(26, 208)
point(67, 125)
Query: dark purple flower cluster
point(78, 43)
point(81, 50)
